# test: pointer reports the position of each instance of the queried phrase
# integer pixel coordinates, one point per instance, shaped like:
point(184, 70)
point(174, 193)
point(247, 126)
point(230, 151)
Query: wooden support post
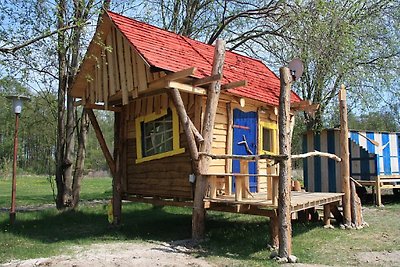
point(198, 215)
point(228, 151)
point(117, 201)
point(213, 186)
point(184, 118)
point(344, 155)
point(244, 169)
point(284, 205)
point(327, 214)
point(102, 142)
point(336, 213)
point(275, 189)
point(378, 200)
point(239, 188)
point(353, 204)
point(274, 231)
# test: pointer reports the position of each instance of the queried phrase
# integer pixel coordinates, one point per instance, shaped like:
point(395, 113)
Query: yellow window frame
point(175, 132)
point(274, 145)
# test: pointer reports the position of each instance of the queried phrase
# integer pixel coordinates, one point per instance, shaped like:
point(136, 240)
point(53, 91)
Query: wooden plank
point(122, 67)
point(207, 80)
point(138, 108)
point(115, 53)
point(242, 83)
point(164, 101)
point(110, 64)
point(135, 73)
point(186, 87)
point(105, 80)
point(91, 92)
point(141, 70)
point(157, 84)
point(101, 107)
point(149, 105)
point(143, 107)
point(128, 66)
point(157, 104)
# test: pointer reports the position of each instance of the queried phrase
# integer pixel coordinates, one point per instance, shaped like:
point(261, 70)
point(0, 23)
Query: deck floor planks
point(299, 200)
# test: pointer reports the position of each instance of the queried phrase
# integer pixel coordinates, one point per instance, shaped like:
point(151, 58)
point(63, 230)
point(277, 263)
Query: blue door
point(245, 131)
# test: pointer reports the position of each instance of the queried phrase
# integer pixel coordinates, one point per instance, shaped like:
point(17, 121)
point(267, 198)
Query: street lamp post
point(17, 108)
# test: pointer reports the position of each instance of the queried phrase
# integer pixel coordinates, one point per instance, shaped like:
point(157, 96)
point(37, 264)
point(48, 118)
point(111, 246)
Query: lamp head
point(18, 102)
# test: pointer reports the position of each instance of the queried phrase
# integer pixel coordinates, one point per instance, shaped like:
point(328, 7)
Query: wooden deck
point(259, 205)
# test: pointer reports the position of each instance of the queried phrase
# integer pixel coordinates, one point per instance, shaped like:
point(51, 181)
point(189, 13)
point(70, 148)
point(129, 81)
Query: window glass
point(157, 135)
point(267, 139)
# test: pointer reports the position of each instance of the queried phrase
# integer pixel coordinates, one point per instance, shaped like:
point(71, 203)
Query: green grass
point(231, 239)
point(36, 190)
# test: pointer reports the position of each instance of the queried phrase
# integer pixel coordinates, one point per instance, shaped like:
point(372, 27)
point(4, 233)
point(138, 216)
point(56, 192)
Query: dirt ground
point(164, 254)
point(120, 254)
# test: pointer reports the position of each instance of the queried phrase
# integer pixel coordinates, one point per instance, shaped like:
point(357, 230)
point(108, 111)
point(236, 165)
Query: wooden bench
point(382, 182)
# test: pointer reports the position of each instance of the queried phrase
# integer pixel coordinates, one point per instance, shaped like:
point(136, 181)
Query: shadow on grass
point(242, 237)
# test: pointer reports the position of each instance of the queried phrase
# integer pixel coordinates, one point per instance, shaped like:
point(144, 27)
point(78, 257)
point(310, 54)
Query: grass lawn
point(232, 239)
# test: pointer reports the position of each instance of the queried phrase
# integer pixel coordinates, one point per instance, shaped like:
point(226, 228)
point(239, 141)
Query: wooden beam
point(247, 157)
point(156, 84)
point(207, 80)
point(197, 135)
point(242, 83)
point(198, 215)
point(344, 155)
point(284, 203)
point(160, 84)
point(116, 185)
point(317, 154)
point(184, 118)
point(186, 88)
point(301, 104)
point(101, 107)
point(180, 74)
point(102, 142)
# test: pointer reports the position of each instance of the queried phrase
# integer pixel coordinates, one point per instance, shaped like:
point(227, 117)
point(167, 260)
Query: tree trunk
point(62, 84)
point(68, 175)
point(198, 214)
point(284, 206)
point(80, 159)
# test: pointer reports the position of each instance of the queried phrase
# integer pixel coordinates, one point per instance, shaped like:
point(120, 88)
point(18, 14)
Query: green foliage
point(355, 43)
point(36, 134)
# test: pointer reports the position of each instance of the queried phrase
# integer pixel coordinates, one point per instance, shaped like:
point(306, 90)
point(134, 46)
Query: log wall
point(166, 177)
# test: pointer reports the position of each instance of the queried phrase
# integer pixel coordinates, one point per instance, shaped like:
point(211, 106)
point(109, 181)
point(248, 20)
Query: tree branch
point(13, 49)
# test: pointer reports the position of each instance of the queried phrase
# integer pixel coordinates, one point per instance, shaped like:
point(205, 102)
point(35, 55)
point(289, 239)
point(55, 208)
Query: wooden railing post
point(284, 205)
point(198, 214)
point(344, 155)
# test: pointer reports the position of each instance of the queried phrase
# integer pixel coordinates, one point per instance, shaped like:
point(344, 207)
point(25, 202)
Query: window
point(268, 133)
point(157, 135)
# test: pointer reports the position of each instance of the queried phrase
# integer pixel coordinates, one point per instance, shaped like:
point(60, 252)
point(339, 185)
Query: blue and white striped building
point(367, 160)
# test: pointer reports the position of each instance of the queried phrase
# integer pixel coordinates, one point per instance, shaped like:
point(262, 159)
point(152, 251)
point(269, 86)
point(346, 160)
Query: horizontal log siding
point(166, 177)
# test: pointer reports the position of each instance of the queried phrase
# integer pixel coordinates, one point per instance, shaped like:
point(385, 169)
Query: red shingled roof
point(169, 51)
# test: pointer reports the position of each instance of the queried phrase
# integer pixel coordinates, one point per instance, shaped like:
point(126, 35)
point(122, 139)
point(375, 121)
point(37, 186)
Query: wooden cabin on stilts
point(183, 110)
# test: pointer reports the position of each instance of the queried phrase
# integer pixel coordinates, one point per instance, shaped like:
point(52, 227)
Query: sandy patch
point(381, 258)
point(120, 254)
